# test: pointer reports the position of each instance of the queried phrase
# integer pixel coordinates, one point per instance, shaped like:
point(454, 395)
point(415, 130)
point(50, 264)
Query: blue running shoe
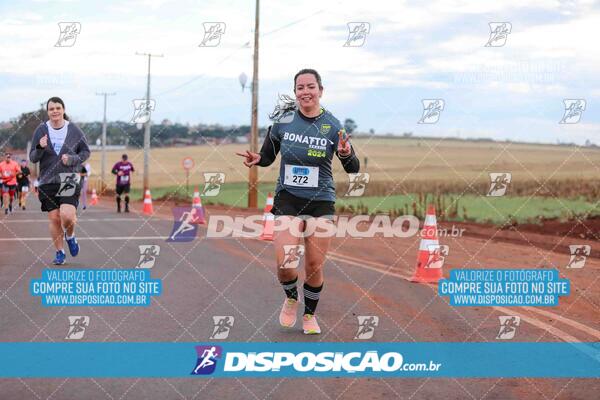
point(60, 258)
point(73, 245)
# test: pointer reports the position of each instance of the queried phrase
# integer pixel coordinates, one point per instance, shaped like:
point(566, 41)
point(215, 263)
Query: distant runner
point(83, 181)
point(9, 169)
point(123, 170)
point(23, 184)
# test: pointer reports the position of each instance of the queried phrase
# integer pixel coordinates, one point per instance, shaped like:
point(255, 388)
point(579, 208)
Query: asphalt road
point(236, 277)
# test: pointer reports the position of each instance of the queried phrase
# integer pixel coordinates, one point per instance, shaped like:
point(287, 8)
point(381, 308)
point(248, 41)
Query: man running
point(60, 147)
point(308, 137)
point(23, 183)
point(123, 170)
point(9, 169)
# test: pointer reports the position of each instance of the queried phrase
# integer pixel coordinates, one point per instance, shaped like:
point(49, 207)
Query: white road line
point(80, 219)
point(38, 211)
point(542, 325)
point(584, 328)
point(38, 239)
point(383, 269)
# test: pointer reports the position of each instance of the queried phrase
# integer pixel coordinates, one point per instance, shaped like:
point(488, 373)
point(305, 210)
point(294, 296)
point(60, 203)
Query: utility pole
point(253, 173)
point(147, 127)
point(103, 162)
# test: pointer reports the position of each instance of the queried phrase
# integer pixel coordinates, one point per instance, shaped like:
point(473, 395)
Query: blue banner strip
point(460, 360)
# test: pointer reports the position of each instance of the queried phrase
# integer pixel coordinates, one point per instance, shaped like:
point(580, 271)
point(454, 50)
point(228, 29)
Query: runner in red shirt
point(8, 171)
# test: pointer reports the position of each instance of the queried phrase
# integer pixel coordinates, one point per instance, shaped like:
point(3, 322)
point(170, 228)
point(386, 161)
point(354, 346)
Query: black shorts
point(51, 201)
point(286, 203)
point(7, 188)
point(120, 189)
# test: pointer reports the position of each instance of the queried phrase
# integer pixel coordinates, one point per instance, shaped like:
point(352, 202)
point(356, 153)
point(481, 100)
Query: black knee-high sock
point(290, 289)
point(118, 202)
point(311, 298)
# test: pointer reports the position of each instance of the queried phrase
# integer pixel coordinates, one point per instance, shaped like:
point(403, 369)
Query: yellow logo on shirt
point(325, 128)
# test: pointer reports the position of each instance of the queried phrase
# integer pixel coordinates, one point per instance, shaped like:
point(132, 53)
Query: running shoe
point(287, 316)
point(60, 258)
point(310, 325)
point(73, 245)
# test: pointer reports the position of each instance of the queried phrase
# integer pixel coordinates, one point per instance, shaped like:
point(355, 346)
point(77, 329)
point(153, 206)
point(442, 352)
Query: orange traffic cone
point(197, 208)
point(268, 220)
point(148, 210)
point(269, 203)
point(429, 265)
point(94, 200)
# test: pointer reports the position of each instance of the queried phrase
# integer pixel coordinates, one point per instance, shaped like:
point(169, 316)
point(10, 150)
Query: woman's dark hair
point(286, 103)
point(57, 100)
point(309, 71)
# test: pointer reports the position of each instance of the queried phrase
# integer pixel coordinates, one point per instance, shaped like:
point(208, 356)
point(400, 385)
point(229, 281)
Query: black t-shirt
point(23, 176)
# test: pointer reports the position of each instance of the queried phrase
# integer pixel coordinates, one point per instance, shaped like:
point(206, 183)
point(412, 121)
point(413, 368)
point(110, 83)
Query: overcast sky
point(413, 51)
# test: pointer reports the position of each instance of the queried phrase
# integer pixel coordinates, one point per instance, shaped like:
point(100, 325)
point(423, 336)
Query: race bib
point(297, 175)
point(124, 179)
point(7, 174)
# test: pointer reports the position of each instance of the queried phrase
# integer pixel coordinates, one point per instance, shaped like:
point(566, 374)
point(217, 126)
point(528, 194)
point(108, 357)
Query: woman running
point(307, 136)
point(60, 147)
